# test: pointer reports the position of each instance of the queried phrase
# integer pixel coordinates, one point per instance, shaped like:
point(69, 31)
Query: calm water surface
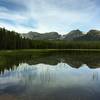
point(52, 77)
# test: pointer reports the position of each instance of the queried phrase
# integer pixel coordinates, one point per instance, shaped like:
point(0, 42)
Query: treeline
point(61, 44)
point(13, 40)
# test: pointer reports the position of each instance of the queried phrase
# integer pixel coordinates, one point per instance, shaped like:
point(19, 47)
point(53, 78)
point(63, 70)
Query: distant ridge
point(39, 36)
point(73, 34)
point(76, 35)
point(92, 35)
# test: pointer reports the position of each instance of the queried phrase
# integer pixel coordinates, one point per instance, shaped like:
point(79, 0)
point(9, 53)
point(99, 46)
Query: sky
point(49, 15)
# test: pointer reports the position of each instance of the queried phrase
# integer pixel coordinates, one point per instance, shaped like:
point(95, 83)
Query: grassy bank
point(42, 51)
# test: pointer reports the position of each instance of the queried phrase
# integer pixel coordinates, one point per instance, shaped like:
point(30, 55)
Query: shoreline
point(46, 50)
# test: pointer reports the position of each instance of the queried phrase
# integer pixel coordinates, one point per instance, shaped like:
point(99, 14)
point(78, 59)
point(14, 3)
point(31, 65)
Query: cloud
point(49, 15)
point(12, 6)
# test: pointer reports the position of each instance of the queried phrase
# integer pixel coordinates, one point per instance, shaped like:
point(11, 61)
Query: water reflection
point(50, 82)
point(50, 76)
point(74, 59)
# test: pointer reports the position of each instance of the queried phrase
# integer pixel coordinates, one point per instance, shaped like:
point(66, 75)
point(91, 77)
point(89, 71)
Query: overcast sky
point(50, 15)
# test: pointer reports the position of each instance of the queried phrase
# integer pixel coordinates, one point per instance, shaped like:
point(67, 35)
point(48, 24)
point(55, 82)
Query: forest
point(10, 40)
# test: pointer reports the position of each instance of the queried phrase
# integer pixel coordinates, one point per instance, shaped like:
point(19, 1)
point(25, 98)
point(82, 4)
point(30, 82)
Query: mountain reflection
point(49, 74)
point(45, 80)
point(74, 59)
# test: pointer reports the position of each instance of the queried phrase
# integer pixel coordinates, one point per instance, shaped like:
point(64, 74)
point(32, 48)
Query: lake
point(50, 75)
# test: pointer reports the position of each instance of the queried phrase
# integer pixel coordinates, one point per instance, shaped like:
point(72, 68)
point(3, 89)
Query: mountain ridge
point(72, 35)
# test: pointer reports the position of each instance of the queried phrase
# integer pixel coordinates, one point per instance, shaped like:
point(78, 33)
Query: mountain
point(92, 35)
point(39, 36)
point(73, 34)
